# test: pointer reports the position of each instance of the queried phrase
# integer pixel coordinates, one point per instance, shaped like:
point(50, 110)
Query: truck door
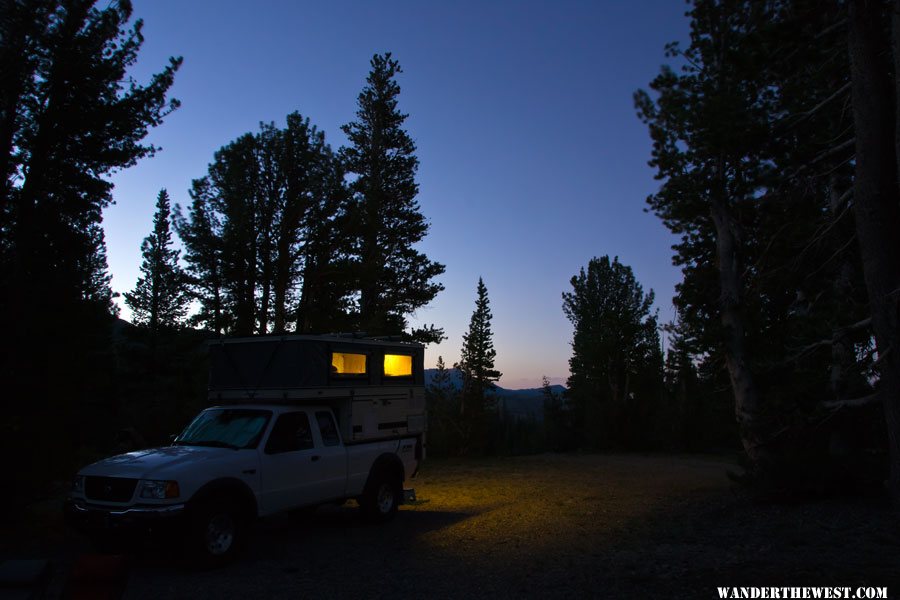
point(333, 457)
point(289, 460)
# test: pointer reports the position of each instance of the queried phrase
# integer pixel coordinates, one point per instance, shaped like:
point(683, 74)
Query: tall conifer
point(159, 300)
point(476, 365)
point(394, 279)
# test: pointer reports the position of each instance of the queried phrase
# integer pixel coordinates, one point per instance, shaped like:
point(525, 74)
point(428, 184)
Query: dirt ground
point(605, 526)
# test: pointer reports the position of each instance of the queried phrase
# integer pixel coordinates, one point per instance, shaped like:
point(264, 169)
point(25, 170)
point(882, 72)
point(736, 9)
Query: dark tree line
point(776, 146)
point(285, 234)
point(69, 116)
point(265, 227)
point(282, 234)
point(621, 394)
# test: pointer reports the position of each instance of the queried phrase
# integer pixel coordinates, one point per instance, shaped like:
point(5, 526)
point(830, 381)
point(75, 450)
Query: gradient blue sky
point(532, 158)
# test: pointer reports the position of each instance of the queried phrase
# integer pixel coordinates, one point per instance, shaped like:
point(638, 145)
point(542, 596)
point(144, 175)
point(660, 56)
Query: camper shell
point(376, 388)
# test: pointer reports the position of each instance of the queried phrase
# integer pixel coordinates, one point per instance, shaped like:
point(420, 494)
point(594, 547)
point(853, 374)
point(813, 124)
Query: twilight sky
point(532, 160)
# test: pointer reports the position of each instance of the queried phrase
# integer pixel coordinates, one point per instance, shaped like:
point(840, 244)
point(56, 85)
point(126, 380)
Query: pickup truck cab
point(235, 463)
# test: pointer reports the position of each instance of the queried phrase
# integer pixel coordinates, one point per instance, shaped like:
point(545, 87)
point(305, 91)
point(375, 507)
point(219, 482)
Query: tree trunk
point(895, 35)
point(876, 208)
point(280, 323)
point(218, 325)
point(309, 292)
point(281, 281)
point(747, 404)
point(264, 306)
point(842, 358)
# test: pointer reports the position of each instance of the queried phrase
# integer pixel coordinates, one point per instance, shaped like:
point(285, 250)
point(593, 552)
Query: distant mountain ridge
point(526, 403)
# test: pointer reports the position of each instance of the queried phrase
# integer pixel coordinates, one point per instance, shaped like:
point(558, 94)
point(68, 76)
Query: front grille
point(109, 489)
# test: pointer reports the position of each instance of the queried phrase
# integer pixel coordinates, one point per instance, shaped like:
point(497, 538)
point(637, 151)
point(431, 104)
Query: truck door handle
point(315, 458)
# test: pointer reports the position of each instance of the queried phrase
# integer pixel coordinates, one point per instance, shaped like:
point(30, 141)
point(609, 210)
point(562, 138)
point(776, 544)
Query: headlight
point(159, 490)
point(78, 484)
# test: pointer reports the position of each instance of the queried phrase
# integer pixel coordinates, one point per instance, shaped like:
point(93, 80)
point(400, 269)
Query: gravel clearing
point(604, 526)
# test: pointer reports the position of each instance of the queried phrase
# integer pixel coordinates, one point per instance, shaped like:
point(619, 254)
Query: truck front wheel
point(382, 497)
point(218, 531)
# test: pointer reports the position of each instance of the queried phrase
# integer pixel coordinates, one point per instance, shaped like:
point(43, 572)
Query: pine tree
point(394, 279)
point(476, 366)
point(159, 300)
point(201, 236)
point(616, 357)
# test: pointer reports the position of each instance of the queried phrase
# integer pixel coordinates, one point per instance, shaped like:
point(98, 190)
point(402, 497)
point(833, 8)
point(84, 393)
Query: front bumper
point(92, 518)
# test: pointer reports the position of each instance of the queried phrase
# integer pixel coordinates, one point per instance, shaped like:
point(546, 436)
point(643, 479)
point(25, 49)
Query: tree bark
point(876, 207)
point(895, 35)
point(747, 403)
point(842, 358)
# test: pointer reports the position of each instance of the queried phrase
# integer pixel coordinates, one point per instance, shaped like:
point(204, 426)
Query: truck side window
point(327, 428)
point(397, 365)
point(348, 363)
point(290, 433)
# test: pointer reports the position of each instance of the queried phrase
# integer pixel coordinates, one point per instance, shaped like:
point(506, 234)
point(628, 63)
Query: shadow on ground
point(555, 526)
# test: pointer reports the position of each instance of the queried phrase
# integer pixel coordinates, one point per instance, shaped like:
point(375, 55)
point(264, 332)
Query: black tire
point(382, 496)
point(218, 531)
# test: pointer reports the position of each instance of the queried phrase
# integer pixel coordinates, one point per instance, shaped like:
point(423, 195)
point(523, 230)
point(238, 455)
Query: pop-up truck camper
point(294, 422)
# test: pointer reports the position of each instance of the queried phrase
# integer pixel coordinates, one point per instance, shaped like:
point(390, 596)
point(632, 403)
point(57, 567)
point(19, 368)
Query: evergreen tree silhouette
point(615, 350)
point(394, 279)
point(159, 300)
point(70, 115)
point(476, 365)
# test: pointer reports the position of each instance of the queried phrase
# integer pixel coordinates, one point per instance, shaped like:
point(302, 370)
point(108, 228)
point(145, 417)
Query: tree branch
point(834, 150)
point(830, 28)
point(816, 345)
point(853, 402)
point(833, 256)
point(808, 113)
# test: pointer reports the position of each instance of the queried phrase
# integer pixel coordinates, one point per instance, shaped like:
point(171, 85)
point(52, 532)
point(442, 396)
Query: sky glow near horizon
point(532, 159)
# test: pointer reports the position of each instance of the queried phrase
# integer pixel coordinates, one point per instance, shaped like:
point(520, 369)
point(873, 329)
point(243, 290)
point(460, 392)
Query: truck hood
point(157, 463)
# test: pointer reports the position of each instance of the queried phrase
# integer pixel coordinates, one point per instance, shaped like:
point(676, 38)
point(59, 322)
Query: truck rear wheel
point(382, 497)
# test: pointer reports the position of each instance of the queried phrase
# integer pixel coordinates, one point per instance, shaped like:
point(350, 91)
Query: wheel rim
point(219, 534)
point(385, 500)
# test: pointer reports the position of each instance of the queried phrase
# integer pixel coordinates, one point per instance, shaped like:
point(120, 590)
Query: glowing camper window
point(397, 365)
point(345, 363)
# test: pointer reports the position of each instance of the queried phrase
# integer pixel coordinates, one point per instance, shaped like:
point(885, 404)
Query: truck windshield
point(235, 428)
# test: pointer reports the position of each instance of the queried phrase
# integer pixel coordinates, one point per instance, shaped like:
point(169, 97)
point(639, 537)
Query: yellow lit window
point(344, 363)
point(397, 365)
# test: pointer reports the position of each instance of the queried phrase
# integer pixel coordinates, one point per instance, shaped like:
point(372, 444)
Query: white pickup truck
point(268, 448)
